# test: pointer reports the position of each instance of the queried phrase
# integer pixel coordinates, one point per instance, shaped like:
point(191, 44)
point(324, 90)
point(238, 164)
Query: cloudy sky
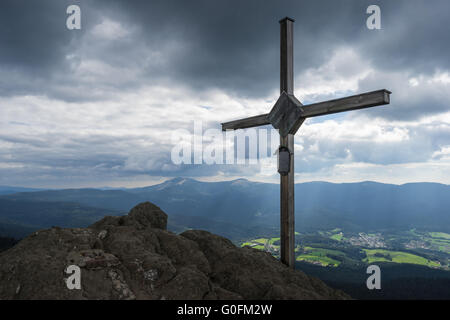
point(99, 106)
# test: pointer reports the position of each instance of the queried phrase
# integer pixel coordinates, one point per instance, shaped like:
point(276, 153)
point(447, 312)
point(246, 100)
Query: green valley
point(338, 248)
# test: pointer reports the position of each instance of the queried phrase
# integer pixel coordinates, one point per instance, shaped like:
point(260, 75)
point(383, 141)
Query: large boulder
point(135, 257)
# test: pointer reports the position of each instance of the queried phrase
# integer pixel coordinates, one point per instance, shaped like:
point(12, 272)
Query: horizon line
point(217, 181)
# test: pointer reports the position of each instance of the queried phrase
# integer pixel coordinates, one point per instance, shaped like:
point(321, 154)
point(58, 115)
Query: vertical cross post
point(287, 222)
point(287, 115)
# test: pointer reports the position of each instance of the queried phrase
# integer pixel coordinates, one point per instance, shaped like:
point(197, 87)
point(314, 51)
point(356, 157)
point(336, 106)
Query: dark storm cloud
point(414, 36)
point(34, 42)
point(234, 45)
point(30, 34)
point(231, 45)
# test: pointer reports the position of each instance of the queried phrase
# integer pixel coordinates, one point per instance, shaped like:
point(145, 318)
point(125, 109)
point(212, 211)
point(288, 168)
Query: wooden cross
point(287, 115)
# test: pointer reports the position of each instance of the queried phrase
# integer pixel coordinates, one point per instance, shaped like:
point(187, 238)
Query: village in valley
point(334, 248)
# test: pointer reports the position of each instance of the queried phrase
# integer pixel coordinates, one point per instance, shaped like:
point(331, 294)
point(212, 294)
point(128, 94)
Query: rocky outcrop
point(135, 257)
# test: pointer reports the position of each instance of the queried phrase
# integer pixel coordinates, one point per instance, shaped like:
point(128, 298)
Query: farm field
point(337, 248)
point(320, 256)
point(440, 235)
point(380, 255)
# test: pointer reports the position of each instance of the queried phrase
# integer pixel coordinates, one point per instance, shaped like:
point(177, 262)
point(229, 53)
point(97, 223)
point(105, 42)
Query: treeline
point(400, 289)
point(398, 281)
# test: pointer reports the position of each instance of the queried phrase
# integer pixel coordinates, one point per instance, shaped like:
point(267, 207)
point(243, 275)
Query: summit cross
point(287, 115)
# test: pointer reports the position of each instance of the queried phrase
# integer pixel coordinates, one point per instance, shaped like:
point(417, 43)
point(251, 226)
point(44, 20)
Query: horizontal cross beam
point(255, 121)
point(359, 101)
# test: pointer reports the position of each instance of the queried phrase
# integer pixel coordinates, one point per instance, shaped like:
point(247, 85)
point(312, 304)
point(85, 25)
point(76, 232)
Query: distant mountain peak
point(240, 181)
point(179, 181)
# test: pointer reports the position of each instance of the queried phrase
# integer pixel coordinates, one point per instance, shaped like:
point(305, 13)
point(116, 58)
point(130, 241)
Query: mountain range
point(235, 209)
point(9, 190)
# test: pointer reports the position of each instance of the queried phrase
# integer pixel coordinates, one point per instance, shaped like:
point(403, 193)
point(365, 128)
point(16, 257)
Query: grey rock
point(102, 234)
point(135, 257)
point(148, 215)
